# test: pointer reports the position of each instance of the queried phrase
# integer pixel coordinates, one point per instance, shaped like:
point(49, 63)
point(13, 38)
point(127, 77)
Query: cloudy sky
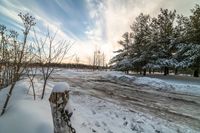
point(90, 24)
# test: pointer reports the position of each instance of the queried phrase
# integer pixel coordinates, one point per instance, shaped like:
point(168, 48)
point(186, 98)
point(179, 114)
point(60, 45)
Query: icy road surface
point(105, 104)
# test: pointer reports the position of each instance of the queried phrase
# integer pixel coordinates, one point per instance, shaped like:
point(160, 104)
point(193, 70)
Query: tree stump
point(58, 100)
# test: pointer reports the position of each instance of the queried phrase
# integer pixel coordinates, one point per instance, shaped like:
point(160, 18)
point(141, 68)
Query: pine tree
point(121, 61)
point(194, 39)
point(140, 55)
point(189, 48)
point(180, 42)
point(166, 40)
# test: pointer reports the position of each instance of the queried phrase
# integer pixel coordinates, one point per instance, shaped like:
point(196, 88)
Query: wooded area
point(167, 42)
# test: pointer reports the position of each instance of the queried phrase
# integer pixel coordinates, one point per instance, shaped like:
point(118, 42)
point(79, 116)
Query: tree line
point(68, 66)
point(169, 41)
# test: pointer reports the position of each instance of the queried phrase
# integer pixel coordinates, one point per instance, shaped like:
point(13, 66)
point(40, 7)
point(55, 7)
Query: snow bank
point(169, 86)
point(24, 115)
point(27, 117)
point(61, 87)
point(155, 83)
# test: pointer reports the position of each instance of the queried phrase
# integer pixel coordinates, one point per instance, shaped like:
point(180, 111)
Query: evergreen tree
point(140, 55)
point(166, 43)
point(121, 61)
point(180, 42)
point(194, 39)
point(189, 48)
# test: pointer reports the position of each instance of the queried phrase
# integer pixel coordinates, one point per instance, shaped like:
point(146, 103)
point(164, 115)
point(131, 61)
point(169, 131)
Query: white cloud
point(96, 11)
point(110, 19)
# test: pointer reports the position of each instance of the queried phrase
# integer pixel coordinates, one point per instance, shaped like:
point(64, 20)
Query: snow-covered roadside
point(24, 115)
point(155, 83)
point(169, 86)
point(94, 115)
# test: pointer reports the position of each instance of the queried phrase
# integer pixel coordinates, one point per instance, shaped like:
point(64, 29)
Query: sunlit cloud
point(90, 24)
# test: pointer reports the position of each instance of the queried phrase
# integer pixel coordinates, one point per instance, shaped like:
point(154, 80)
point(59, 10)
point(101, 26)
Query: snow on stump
point(58, 100)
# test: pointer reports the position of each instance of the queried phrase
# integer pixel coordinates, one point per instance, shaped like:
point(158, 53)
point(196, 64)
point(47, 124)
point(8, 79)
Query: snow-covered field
point(93, 111)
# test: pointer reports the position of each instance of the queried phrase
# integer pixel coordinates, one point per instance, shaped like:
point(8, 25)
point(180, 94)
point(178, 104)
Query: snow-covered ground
point(160, 84)
point(91, 113)
point(24, 115)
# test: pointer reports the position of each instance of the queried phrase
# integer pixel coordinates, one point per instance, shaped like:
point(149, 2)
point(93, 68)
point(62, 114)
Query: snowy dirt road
point(106, 102)
point(181, 109)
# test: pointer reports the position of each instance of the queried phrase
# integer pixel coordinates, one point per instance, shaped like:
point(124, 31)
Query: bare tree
point(50, 51)
point(31, 72)
point(103, 58)
point(98, 59)
point(8, 39)
point(89, 60)
point(77, 59)
point(31, 69)
point(19, 54)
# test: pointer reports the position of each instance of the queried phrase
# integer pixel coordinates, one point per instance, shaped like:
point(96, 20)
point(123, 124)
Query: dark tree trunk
point(140, 71)
point(32, 84)
point(176, 71)
point(16, 78)
point(149, 70)
point(166, 71)
point(144, 72)
point(126, 71)
point(196, 73)
point(137, 70)
point(44, 87)
point(8, 98)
